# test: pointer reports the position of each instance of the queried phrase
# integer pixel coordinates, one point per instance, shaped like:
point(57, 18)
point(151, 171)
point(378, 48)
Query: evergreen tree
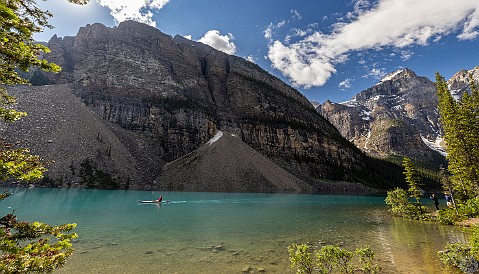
point(412, 179)
point(24, 246)
point(460, 121)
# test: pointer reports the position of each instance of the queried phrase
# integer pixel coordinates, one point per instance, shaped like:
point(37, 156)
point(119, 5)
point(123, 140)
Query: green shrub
point(468, 209)
point(463, 255)
point(448, 216)
point(398, 199)
point(474, 241)
point(459, 255)
point(300, 257)
point(365, 257)
point(331, 259)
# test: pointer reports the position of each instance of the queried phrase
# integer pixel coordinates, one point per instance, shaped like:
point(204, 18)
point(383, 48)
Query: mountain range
point(397, 117)
point(136, 108)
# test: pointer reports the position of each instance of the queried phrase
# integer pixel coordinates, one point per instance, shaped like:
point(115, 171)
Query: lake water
point(225, 232)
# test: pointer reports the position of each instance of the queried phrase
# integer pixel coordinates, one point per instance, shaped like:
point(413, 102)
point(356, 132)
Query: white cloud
point(251, 58)
point(187, 36)
point(361, 6)
point(269, 31)
point(296, 15)
point(345, 84)
point(406, 55)
point(137, 10)
point(299, 32)
point(390, 23)
point(219, 42)
point(376, 73)
point(287, 39)
point(290, 61)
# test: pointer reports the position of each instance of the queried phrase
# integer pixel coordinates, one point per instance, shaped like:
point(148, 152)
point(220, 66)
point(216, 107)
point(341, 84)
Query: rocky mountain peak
point(401, 109)
point(398, 112)
point(459, 82)
point(398, 75)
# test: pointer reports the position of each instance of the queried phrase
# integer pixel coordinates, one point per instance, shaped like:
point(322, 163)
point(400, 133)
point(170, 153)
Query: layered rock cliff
point(177, 94)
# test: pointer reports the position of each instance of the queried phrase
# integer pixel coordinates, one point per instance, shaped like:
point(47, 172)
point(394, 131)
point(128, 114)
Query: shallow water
point(225, 232)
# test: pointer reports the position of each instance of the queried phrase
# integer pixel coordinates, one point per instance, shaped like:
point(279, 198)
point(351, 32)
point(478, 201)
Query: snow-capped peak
point(391, 76)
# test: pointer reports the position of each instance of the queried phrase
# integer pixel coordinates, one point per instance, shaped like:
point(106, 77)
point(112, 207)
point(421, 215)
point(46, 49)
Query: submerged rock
point(247, 269)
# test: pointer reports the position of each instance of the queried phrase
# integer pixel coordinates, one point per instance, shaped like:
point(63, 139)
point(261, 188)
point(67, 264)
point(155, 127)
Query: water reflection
point(412, 246)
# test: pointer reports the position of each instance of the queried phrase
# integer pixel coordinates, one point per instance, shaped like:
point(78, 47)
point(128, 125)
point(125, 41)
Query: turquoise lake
point(225, 232)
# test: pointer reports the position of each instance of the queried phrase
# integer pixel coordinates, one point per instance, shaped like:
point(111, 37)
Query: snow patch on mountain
point(435, 145)
point(367, 140)
point(217, 136)
point(391, 76)
point(350, 103)
point(366, 115)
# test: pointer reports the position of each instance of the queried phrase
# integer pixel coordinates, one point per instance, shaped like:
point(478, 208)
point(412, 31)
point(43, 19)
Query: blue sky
point(327, 49)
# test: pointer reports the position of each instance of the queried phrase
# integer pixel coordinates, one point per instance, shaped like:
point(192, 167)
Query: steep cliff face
point(397, 116)
point(180, 93)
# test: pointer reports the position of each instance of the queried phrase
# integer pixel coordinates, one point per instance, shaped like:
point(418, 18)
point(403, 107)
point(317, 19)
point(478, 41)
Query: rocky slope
point(396, 117)
point(165, 97)
point(78, 147)
point(226, 163)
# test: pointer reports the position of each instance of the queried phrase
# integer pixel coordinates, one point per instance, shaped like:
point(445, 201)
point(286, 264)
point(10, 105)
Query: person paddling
point(159, 199)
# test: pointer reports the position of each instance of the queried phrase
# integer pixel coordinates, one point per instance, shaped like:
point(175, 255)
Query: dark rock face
point(178, 93)
point(391, 118)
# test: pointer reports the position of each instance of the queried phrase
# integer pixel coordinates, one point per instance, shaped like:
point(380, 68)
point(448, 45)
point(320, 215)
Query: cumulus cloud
point(360, 6)
point(390, 23)
point(220, 42)
point(251, 58)
point(137, 10)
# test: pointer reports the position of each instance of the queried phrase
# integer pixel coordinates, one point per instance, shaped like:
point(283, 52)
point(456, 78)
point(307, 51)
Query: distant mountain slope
point(176, 94)
point(79, 147)
point(396, 117)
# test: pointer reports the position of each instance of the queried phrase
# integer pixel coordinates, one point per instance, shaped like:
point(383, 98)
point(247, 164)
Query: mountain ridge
point(397, 117)
point(177, 94)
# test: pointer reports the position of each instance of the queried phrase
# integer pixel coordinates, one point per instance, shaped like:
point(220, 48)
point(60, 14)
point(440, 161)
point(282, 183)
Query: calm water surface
point(225, 232)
